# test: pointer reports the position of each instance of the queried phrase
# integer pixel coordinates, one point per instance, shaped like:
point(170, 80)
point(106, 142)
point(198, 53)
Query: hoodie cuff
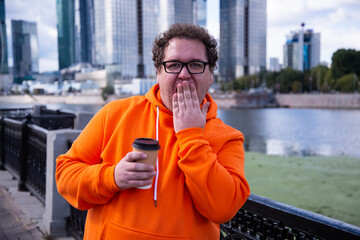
point(191, 137)
point(107, 181)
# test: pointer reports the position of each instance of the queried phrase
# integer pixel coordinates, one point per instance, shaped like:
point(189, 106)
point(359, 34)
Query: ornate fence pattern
point(23, 145)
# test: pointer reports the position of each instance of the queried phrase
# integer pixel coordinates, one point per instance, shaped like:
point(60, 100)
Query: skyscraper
point(274, 65)
point(125, 31)
point(242, 38)
point(65, 10)
point(84, 31)
point(25, 49)
point(302, 50)
point(199, 12)
point(3, 41)
point(119, 34)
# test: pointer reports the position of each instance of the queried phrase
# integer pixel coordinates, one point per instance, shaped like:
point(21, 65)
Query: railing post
point(23, 154)
point(57, 209)
point(2, 151)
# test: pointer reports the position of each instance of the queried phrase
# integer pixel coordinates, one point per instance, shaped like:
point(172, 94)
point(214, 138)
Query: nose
point(184, 73)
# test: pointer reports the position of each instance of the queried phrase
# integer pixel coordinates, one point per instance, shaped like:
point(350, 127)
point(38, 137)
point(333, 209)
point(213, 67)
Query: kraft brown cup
point(151, 148)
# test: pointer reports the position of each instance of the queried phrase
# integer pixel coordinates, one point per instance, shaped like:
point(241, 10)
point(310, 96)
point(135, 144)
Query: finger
point(187, 94)
point(139, 175)
point(180, 96)
point(138, 183)
point(175, 104)
point(139, 167)
point(194, 96)
point(133, 156)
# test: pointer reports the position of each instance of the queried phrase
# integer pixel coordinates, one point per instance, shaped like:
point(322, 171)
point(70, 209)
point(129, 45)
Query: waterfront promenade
point(21, 214)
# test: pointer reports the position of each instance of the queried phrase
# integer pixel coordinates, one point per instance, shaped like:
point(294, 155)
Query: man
point(199, 178)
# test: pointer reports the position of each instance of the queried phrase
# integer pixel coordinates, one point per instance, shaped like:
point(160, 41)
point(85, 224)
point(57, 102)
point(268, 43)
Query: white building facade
point(302, 50)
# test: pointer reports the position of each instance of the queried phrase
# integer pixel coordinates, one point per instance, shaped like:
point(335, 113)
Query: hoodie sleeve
point(214, 172)
point(82, 178)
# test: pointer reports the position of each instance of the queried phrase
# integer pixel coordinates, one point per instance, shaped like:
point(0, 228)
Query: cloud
point(337, 21)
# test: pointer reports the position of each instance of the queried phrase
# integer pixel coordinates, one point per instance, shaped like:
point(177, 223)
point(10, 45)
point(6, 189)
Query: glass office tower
point(199, 8)
point(66, 32)
point(25, 49)
point(302, 50)
point(4, 68)
point(84, 31)
point(118, 34)
point(242, 38)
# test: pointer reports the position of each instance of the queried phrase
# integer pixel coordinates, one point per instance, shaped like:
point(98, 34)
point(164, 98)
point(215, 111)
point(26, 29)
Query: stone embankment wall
point(340, 101)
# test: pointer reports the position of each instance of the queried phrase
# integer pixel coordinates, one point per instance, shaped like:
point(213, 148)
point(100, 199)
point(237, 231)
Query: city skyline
point(336, 20)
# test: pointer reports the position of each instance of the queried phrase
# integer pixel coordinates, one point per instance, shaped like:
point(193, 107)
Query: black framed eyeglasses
point(175, 67)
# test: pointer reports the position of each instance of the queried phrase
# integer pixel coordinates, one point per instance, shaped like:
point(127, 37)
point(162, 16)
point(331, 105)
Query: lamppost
point(354, 82)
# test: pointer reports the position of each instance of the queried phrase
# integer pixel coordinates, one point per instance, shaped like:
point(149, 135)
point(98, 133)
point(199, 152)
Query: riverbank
point(245, 100)
point(324, 185)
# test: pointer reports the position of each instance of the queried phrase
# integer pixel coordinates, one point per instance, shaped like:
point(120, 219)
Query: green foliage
point(296, 87)
point(247, 82)
point(345, 61)
point(347, 83)
point(107, 90)
point(287, 77)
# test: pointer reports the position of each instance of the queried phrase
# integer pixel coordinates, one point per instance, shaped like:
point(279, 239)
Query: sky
point(338, 22)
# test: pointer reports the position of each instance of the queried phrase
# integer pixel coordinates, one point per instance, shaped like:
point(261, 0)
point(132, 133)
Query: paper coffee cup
point(151, 148)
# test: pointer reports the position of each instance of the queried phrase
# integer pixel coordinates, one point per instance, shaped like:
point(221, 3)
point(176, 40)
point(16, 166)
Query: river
point(285, 131)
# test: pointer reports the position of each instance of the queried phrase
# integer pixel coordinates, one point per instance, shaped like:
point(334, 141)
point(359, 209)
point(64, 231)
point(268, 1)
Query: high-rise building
point(84, 31)
point(242, 38)
point(199, 9)
point(274, 65)
point(65, 10)
point(119, 34)
point(25, 49)
point(125, 31)
point(302, 50)
point(4, 68)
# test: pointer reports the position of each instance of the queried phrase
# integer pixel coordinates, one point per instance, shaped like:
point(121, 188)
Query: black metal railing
point(36, 161)
point(75, 224)
point(11, 137)
point(262, 218)
point(23, 146)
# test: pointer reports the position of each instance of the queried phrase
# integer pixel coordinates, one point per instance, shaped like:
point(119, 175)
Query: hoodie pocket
point(112, 231)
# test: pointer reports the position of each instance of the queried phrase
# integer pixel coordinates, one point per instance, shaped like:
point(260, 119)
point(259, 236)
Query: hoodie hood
point(153, 95)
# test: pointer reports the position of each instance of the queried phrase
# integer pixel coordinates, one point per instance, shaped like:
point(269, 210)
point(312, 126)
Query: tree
point(296, 87)
point(246, 82)
point(345, 61)
point(347, 83)
point(319, 76)
point(107, 90)
point(287, 77)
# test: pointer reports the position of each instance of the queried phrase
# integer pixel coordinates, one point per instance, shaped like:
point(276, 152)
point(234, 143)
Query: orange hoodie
point(200, 183)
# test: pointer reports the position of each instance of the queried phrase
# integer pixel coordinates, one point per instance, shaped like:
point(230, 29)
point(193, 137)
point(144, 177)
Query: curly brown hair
point(184, 30)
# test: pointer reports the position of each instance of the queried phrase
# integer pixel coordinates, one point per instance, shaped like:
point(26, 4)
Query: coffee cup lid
point(146, 144)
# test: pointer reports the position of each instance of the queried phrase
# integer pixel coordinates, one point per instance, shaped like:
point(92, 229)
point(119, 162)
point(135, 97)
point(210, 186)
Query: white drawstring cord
point(157, 159)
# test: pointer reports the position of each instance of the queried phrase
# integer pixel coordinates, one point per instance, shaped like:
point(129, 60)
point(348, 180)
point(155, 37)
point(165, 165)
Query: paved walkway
point(20, 213)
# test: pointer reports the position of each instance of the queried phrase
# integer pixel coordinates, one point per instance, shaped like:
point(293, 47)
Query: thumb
point(205, 108)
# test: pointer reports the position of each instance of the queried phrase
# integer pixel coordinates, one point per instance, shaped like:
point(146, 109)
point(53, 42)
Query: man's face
point(184, 50)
